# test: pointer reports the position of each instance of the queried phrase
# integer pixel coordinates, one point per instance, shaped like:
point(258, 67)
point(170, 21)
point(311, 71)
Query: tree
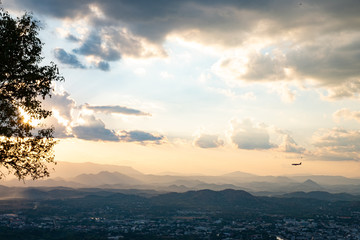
point(25, 149)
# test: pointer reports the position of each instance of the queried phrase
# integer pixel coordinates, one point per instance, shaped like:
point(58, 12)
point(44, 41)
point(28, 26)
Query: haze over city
point(204, 87)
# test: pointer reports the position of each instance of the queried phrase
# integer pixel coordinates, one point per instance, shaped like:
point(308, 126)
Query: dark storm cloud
point(67, 58)
point(141, 137)
point(117, 109)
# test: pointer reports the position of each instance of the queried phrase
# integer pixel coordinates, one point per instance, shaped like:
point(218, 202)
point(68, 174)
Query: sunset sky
point(205, 86)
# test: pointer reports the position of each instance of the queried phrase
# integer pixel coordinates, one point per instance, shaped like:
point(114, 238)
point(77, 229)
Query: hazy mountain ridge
point(321, 195)
point(229, 200)
point(122, 177)
point(208, 198)
point(105, 177)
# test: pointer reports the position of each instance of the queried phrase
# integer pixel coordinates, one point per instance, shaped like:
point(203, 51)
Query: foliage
point(24, 83)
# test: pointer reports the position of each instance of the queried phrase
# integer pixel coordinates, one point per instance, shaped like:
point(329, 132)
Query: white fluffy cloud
point(337, 144)
point(62, 106)
point(246, 135)
point(93, 129)
point(61, 102)
point(347, 114)
point(290, 146)
point(208, 141)
point(116, 109)
point(70, 120)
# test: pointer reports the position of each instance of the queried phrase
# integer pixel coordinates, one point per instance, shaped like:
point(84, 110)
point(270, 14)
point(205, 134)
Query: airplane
point(296, 164)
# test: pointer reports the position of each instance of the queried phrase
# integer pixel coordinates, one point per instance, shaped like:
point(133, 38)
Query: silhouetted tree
point(24, 83)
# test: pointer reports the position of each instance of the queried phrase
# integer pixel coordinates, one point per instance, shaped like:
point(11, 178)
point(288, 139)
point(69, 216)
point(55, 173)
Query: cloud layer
point(347, 114)
point(81, 122)
point(313, 44)
point(116, 109)
point(337, 144)
point(272, 40)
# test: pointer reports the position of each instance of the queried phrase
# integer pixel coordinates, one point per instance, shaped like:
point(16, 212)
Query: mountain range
point(227, 201)
point(91, 175)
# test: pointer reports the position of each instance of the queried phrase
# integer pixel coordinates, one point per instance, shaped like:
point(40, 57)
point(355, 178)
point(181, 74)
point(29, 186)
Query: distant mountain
point(192, 204)
point(78, 175)
point(43, 193)
point(307, 186)
point(242, 177)
point(174, 188)
point(105, 177)
point(68, 170)
point(187, 182)
point(321, 195)
point(217, 187)
point(327, 180)
point(239, 174)
point(282, 187)
point(207, 198)
point(50, 182)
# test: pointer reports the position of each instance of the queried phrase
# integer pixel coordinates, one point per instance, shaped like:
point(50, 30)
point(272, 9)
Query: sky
point(205, 86)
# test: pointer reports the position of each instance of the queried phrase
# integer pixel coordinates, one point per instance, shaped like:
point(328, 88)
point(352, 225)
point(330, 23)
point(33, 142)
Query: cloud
point(62, 102)
point(140, 136)
point(61, 105)
point(67, 58)
point(323, 61)
point(93, 129)
point(247, 136)
point(316, 41)
point(72, 38)
point(102, 65)
point(226, 22)
point(61, 128)
point(58, 9)
point(337, 144)
point(349, 89)
point(290, 146)
point(208, 141)
point(286, 94)
point(252, 66)
point(71, 120)
point(93, 45)
point(328, 60)
point(116, 109)
point(347, 114)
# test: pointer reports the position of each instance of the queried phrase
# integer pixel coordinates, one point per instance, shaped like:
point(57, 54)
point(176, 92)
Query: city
point(133, 217)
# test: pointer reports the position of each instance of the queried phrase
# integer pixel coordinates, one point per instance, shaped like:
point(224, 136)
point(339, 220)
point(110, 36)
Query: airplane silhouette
point(296, 164)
